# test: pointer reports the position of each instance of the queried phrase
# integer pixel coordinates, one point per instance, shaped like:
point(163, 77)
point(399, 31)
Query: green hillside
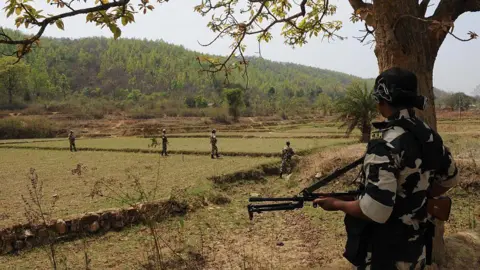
point(101, 66)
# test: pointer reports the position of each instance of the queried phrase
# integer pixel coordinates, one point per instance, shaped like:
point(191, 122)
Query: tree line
point(135, 71)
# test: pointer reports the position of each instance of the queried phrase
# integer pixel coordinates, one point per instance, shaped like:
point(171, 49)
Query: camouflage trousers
point(164, 150)
point(214, 150)
point(72, 147)
point(420, 264)
point(285, 165)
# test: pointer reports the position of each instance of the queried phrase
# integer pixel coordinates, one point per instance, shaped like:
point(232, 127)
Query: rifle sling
point(329, 178)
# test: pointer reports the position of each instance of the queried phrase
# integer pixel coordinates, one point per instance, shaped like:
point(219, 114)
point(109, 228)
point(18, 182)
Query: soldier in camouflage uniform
point(387, 225)
point(213, 142)
point(154, 142)
point(164, 142)
point(71, 140)
point(287, 154)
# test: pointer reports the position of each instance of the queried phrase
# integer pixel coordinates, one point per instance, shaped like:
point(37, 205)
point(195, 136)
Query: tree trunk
point(404, 41)
point(366, 132)
point(408, 44)
point(10, 96)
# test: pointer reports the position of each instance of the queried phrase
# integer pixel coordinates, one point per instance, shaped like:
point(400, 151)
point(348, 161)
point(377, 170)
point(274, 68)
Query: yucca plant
point(357, 109)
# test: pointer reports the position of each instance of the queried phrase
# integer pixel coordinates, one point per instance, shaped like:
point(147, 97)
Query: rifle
point(438, 207)
point(306, 195)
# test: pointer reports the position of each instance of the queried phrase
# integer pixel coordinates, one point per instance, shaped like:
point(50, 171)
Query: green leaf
point(18, 10)
point(59, 24)
point(115, 30)
point(10, 12)
point(124, 21)
point(90, 17)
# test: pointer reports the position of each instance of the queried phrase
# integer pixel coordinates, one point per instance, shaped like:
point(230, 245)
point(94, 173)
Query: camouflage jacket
point(287, 152)
point(164, 139)
point(213, 139)
point(398, 170)
point(71, 138)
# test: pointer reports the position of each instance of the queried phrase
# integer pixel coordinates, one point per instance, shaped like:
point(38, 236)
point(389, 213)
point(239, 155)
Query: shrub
point(141, 113)
point(35, 109)
point(221, 118)
point(33, 127)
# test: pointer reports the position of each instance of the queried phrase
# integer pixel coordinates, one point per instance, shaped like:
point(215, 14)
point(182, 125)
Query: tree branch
point(452, 9)
point(364, 10)
point(471, 34)
point(423, 7)
point(43, 24)
point(358, 4)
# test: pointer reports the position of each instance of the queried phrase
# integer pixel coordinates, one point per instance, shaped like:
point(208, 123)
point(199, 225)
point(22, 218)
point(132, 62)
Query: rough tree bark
point(405, 38)
point(366, 132)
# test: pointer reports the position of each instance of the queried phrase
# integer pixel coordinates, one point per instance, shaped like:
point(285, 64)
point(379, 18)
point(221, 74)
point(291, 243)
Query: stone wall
point(24, 236)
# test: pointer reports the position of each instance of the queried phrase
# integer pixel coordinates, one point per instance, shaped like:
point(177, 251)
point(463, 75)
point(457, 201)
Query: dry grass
point(54, 168)
point(463, 251)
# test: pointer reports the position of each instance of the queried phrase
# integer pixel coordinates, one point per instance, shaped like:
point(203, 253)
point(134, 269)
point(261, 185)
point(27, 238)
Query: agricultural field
point(233, 146)
point(117, 169)
point(222, 237)
point(213, 234)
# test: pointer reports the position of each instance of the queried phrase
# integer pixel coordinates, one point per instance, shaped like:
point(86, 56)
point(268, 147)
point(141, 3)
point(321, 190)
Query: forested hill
point(112, 68)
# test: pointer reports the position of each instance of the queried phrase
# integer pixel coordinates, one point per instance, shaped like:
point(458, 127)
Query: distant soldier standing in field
point(287, 154)
point(71, 139)
point(213, 142)
point(154, 142)
point(164, 142)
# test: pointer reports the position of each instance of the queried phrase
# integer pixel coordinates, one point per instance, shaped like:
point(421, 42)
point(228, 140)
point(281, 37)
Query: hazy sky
point(457, 67)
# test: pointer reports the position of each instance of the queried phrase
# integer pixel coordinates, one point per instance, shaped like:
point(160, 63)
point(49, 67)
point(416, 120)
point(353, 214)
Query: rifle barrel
point(260, 199)
point(309, 197)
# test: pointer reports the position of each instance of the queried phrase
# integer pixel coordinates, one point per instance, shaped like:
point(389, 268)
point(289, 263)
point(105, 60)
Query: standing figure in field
point(388, 225)
point(287, 154)
point(154, 142)
point(213, 142)
point(164, 142)
point(71, 140)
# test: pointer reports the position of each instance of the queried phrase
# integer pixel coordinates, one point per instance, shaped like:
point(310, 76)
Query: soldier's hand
point(327, 203)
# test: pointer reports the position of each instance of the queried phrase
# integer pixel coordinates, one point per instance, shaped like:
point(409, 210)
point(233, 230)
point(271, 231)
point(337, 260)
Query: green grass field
point(54, 168)
point(15, 141)
point(225, 145)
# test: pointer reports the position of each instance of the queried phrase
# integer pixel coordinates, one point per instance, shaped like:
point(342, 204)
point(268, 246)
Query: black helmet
point(288, 142)
point(214, 130)
point(398, 87)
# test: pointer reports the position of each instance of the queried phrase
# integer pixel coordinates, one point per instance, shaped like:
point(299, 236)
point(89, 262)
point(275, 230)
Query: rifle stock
point(439, 207)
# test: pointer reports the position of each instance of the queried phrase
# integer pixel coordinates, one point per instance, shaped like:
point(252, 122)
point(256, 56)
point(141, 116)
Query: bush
point(221, 118)
point(141, 113)
point(35, 109)
point(26, 128)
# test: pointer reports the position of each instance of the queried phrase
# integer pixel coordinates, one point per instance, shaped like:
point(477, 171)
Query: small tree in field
point(235, 101)
point(357, 109)
point(324, 102)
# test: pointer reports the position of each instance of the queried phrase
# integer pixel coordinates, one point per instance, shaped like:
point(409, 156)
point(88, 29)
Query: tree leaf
point(115, 30)
point(124, 21)
point(59, 24)
point(18, 10)
point(90, 17)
